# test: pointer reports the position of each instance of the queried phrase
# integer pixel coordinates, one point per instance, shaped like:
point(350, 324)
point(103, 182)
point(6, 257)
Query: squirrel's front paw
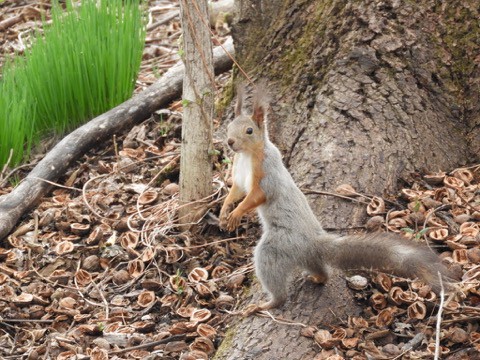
point(223, 217)
point(234, 220)
point(223, 220)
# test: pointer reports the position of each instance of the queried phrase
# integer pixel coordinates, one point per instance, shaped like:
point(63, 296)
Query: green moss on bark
point(460, 37)
point(226, 345)
point(226, 97)
point(297, 56)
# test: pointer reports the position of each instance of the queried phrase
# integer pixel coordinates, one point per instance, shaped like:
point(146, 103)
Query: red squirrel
point(292, 236)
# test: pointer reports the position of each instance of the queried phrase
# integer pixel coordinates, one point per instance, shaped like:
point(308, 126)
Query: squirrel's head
point(246, 133)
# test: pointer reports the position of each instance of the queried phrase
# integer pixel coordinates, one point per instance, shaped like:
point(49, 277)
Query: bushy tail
point(392, 254)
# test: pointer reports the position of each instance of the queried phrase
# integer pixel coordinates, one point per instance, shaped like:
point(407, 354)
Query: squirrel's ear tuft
point(260, 104)
point(240, 95)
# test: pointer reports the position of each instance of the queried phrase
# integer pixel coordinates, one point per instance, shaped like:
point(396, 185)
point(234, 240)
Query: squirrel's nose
point(230, 141)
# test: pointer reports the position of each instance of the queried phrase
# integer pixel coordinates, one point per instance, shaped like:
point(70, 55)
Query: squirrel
point(292, 236)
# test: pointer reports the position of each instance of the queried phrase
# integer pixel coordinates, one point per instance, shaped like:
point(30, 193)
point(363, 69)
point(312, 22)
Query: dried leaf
point(346, 190)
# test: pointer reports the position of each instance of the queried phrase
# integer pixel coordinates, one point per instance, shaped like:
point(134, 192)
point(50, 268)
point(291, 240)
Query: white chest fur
point(243, 172)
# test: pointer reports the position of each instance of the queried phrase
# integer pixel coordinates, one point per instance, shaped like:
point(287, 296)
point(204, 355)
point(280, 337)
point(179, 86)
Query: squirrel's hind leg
point(273, 270)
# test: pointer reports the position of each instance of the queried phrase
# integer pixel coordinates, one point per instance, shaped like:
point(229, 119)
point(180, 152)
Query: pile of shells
point(399, 319)
point(100, 267)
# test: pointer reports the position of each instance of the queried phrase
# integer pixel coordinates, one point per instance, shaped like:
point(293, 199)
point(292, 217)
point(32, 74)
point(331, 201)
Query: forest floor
point(99, 270)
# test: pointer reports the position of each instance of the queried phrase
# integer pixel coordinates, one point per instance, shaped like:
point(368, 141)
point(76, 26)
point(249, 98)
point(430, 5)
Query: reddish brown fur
point(254, 198)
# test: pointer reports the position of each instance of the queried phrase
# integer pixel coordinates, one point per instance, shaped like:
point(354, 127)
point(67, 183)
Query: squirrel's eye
point(249, 131)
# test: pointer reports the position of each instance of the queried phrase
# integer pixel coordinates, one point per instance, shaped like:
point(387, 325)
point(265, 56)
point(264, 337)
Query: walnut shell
point(79, 229)
point(376, 206)
point(146, 299)
point(121, 277)
point(206, 330)
point(357, 282)
point(148, 197)
point(200, 315)
point(386, 317)
point(129, 240)
point(417, 310)
point(64, 247)
point(83, 277)
point(91, 263)
point(198, 274)
point(203, 344)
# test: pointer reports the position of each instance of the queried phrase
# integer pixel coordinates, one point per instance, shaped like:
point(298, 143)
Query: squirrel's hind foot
point(250, 309)
point(254, 308)
point(320, 279)
point(270, 304)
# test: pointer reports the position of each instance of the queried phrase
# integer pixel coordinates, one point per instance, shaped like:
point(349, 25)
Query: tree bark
point(364, 92)
point(77, 143)
point(374, 90)
point(198, 100)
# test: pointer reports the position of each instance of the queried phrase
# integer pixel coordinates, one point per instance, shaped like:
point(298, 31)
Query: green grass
point(85, 63)
point(15, 127)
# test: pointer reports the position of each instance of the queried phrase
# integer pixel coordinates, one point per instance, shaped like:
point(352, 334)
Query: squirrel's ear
point(240, 94)
point(260, 103)
point(258, 114)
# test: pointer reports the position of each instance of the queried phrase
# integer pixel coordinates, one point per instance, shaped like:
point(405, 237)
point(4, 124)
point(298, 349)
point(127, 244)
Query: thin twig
point(163, 21)
point(309, 191)
point(171, 164)
point(5, 179)
point(38, 321)
point(266, 313)
point(10, 22)
point(439, 319)
point(105, 302)
point(208, 244)
point(5, 167)
point(55, 184)
point(462, 319)
point(150, 344)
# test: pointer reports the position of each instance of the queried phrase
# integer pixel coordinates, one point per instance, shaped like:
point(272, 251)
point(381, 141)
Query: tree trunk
point(364, 92)
point(198, 104)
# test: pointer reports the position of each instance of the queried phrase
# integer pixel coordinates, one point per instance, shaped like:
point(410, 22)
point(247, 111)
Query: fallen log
point(133, 111)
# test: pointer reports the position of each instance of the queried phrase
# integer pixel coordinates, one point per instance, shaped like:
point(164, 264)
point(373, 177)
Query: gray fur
point(294, 239)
